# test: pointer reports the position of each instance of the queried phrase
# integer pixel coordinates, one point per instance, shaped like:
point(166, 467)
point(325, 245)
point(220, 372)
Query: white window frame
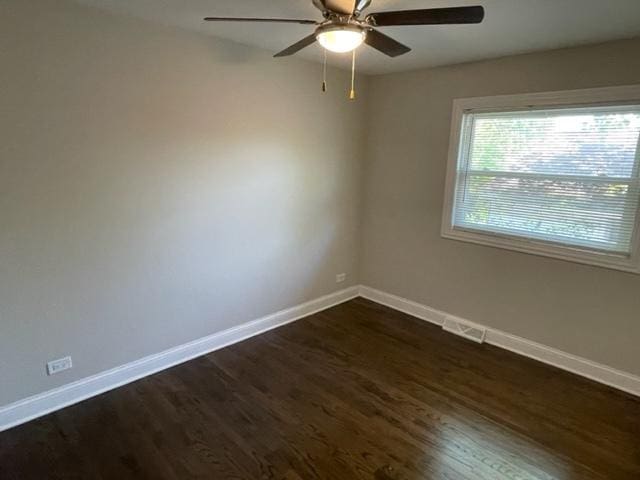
point(608, 96)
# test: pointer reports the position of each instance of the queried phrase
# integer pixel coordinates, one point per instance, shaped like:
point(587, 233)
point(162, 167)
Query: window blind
point(566, 176)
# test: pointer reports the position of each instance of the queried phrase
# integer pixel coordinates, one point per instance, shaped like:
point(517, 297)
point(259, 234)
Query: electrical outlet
point(341, 277)
point(57, 366)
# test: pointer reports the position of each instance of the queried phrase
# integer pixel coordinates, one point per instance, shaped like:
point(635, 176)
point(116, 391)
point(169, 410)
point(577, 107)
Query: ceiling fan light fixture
point(344, 29)
point(341, 38)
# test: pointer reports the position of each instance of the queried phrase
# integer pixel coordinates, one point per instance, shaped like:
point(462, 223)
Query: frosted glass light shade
point(341, 40)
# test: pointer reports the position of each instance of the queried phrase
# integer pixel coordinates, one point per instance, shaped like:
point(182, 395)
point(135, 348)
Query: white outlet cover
point(57, 366)
point(341, 277)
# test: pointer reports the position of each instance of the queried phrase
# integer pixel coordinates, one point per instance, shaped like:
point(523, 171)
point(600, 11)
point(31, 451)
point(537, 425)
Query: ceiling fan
point(344, 29)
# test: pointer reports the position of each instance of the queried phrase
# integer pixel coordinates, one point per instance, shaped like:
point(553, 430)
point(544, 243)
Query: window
point(554, 174)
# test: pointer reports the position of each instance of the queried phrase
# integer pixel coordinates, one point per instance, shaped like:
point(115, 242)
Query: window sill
point(533, 247)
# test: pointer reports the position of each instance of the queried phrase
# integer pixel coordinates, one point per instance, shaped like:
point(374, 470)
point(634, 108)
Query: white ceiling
point(510, 26)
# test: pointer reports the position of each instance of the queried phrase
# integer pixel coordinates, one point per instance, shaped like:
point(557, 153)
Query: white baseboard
point(581, 366)
point(597, 372)
point(403, 305)
point(38, 405)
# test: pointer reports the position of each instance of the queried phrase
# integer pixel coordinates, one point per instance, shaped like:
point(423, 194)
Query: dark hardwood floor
point(356, 392)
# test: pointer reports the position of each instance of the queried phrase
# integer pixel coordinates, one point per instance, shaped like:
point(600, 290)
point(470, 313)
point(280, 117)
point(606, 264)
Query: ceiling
point(510, 27)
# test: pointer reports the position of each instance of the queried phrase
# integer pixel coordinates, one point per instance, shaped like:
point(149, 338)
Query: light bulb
point(341, 39)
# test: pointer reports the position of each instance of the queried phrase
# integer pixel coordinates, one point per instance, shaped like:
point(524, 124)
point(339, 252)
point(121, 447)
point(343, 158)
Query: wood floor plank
point(355, 392)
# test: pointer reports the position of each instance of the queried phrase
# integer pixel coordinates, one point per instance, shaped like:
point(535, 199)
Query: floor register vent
point(465, 329)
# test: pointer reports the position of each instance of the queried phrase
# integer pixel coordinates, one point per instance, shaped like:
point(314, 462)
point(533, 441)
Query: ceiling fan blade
point(296, 47)
point(261, 20)
point(431, 16)
point(385, 44)
point(343, 7)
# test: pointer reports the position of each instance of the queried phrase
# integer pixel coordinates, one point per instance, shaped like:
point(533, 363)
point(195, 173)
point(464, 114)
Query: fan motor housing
point(328, 7)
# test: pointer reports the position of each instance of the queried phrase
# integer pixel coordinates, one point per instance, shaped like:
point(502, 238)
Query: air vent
point(464, 329)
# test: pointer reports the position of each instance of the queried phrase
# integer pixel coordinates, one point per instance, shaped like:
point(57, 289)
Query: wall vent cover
point(465, 329)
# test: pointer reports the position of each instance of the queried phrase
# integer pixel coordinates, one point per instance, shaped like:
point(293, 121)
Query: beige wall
point(588, 311)
point(158, 186)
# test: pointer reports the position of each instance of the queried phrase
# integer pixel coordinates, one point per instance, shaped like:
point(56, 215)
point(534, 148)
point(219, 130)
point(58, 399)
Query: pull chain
point(324, 71)
point(352, 94)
